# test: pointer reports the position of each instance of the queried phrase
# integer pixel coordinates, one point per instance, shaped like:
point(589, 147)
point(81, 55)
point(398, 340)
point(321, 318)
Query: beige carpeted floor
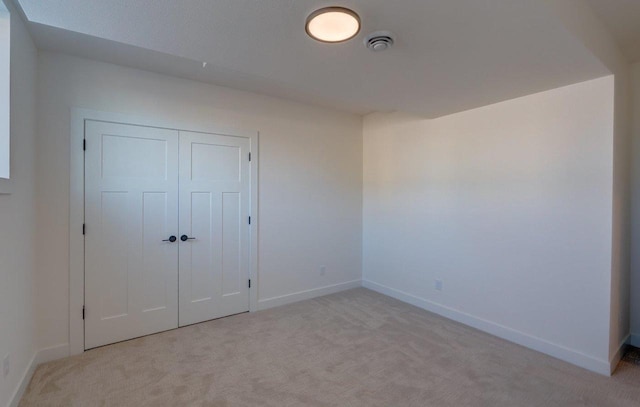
point(355, 348)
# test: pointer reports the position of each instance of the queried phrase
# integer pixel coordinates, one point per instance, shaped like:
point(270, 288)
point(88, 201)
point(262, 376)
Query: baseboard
point(615, 360)
point(307, 294)
point(24, 382)
point(42, 356)
point(634, 340)
point(560, 352)
point(52, 353)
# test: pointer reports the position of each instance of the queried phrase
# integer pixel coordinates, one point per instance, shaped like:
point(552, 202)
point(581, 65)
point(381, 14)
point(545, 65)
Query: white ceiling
point(622, 18)
point(450, 55)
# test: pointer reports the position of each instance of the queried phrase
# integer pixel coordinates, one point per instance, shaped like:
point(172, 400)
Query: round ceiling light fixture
point(333, 24)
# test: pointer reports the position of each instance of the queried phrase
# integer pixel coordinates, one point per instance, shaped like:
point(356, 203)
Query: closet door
point(131, 211)
point(214, 226)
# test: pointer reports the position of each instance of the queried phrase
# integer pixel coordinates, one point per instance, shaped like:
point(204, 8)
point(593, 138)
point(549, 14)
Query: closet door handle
point(184, 238)
point(171, 239)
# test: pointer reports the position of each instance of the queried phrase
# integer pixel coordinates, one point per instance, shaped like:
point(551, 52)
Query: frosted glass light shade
point(333, 24)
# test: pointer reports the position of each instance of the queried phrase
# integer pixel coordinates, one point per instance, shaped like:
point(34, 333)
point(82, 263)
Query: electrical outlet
point(438, 285)
point(6, 366)
point(323, 270)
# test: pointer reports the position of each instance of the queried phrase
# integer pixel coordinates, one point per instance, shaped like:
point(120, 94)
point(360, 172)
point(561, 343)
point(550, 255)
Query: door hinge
point(249, 156)
point(249, 219)
point(84, 228)
point(249, 283)
point(84, 144)
point(83, 312)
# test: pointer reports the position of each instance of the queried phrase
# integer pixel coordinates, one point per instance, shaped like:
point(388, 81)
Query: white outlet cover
point(439, 285)
point(323, 270)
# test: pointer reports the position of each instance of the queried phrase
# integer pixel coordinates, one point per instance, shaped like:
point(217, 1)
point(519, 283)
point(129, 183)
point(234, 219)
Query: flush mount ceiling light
point(333, 24)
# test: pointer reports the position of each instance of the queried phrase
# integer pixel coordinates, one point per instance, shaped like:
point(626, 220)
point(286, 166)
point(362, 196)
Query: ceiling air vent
point(379, 41)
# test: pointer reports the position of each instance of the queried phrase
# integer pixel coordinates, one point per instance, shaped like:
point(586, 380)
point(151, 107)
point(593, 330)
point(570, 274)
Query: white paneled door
point(131, 206)
point(167, 236)
point(214, 220)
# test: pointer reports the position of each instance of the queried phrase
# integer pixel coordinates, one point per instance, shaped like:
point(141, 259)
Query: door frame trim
point(76, 207)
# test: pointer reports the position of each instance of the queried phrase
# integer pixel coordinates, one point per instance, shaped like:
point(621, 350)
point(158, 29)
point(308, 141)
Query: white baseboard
point(24, 382)
point(52, 353)
point(560, 352)
point(613, 364)
point(307, 294)
point(634, 340)
point(42, 356)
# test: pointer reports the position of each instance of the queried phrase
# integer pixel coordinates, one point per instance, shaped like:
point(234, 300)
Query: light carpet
point(355, 348)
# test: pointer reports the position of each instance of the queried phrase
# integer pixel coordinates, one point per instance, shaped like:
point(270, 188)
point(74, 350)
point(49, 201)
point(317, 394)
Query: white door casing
point(215, 207)
point(131, 206)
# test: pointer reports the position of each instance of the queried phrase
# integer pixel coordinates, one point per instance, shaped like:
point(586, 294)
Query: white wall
point(310, 194)
point(510, 206)
point(17, 214)
point(635, 265)
point(580, 19)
